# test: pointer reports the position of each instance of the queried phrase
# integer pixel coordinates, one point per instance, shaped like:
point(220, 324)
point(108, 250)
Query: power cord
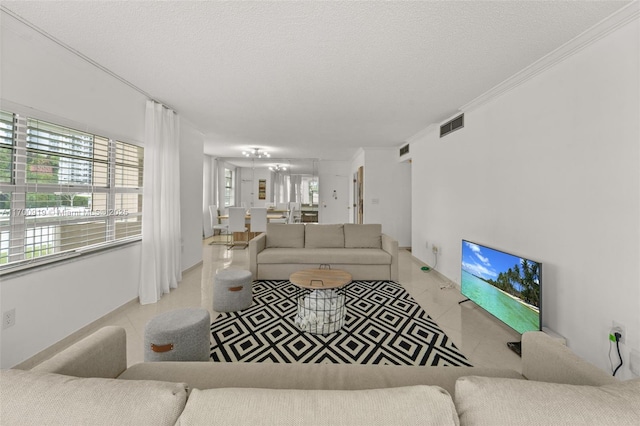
point(449, 285)
point(442, 287)
point(617, 339)
point(610, 360)
point(429, 268)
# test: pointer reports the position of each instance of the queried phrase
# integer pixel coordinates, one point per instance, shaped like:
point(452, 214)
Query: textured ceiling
point(313, 79)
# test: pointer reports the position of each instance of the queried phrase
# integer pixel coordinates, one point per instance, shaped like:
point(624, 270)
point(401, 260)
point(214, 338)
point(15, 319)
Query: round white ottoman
point(232, 290)
point(179, 335)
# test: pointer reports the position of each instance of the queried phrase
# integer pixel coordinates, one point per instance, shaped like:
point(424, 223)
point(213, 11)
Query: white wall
point(387, 191)
point(550, 171)
point(333, 175)
point(53, 303)
point(208, 182)
point(400, 198)
point(191, 193)
point(249, 186)
point(43, 80)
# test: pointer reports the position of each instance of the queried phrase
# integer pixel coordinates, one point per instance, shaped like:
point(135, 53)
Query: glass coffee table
point(321, 299)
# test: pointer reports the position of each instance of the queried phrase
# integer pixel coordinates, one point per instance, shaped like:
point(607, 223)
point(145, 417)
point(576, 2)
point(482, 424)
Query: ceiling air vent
point(450, 126)
point(404, 150)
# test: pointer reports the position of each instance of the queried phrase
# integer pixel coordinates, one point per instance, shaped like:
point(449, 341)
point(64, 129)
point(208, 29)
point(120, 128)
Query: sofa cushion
point(362, 236)
point(207, 375)
point(34, 398)
point(415, 405)
point(285, 235)
point(324, 255)
point(324, 236)
point(485, 400)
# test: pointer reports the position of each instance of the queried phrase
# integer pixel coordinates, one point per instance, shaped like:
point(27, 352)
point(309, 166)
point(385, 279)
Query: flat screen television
point(503, 284)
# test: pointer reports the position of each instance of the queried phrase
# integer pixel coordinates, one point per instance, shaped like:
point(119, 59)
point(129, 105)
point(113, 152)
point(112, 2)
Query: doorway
point(358, 196)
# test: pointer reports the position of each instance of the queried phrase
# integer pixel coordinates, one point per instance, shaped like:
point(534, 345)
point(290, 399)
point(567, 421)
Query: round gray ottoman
point(179, 335)
point(232, 290)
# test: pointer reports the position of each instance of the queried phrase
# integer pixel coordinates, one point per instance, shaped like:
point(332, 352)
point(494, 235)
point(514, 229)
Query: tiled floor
point(478, 335)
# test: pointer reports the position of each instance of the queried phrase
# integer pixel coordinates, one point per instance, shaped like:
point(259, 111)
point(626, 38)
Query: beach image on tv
point(505, 285)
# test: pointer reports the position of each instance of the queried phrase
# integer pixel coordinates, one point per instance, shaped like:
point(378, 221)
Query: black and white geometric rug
point(383, 325)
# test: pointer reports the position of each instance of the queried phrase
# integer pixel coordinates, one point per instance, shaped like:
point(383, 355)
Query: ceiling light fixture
point(277, 168)
point(256, 153)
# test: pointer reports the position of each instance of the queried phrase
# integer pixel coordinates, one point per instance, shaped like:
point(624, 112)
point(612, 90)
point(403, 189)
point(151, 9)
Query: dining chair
point(216, 225)
point(258, 219)
point(283, 219)
point(295, 214)
point(237, 225)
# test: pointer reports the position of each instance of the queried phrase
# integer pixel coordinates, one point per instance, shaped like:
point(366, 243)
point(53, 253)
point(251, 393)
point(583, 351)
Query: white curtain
point(161, 266)
point(216, 178)
point(207, 195)
point(272, 188)
point(280, 195)
point(220, 184)
point(296, 190)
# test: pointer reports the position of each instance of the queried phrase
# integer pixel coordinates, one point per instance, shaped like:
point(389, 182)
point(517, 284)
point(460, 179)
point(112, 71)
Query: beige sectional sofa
point(362, 250)
point(89, 384)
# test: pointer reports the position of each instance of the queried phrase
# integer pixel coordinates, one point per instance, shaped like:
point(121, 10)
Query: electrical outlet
point(9, 318)
point(426, 244)
point(435, 249)
point(618, 328)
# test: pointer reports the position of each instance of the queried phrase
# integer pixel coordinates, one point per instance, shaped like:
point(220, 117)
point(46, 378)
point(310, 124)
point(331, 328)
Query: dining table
point(270, 216)
point(246, 236)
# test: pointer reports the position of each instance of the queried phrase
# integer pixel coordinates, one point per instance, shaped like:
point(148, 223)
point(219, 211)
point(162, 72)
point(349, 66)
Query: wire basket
point(321, 311)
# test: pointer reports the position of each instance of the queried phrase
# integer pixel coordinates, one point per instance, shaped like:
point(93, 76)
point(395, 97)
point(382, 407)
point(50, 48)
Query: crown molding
point(421, 134)
point(617, 20)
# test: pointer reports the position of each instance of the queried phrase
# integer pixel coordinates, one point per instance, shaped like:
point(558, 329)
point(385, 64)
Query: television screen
point(505, 285)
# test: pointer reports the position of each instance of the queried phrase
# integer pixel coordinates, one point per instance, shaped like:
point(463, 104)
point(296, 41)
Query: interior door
point(360, 195)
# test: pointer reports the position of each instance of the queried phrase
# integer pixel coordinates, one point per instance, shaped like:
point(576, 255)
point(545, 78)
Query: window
point(313, 192)
point(310, 190)
point(6, 160)
point(6, 147)
point(229, 198)
point(64, 190)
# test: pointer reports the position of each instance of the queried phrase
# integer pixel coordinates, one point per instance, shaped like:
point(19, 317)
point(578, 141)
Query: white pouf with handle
point(178, 335)
point(232, 290)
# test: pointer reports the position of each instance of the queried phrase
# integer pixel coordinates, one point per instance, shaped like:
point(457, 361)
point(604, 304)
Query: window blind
point(129, 162)
point(68, 190)
point(6, 146)
point(6, 160)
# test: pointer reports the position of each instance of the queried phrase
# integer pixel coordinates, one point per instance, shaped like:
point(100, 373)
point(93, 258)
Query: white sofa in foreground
point(89, 384)
point(362, 250)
